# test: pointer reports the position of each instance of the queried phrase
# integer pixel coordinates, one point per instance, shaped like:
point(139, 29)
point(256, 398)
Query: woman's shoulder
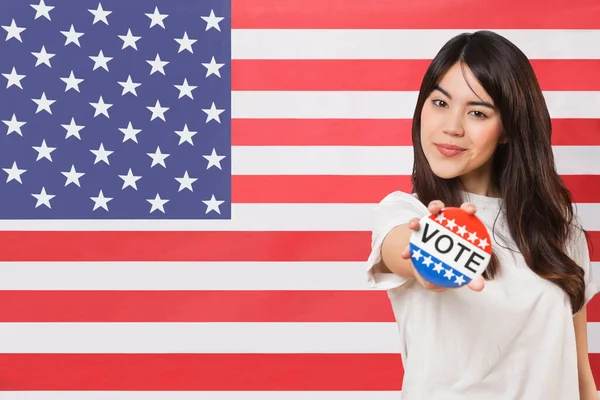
point(398, 200)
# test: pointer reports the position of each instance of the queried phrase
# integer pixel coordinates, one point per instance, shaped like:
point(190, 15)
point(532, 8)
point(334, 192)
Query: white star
point(14, 78)
point(449, 274)
point(13, 31)
point(72, 36)
point(101, 154)
point(483, 243)
point(130, 133)
point(101, 201)
point(440, 218)
point(158, 157)
point(73, 129)
point(43, 104)
point(43, 57)
point(100, 14)
point(185, 182)
point(129, 39)
point(214, 159)
point(156, 18)
point(212, 21)
point(14, 173)
point(185, 89)
point(186, 135)
point(73, 176)
point(43, 198)
point(185, 43)
point(157, 203)
point(100, 61)
point(450, 224)
point(473, 237)
point(438, 267)
point(212, 68)
point(157, 111)
point(130, 180)
point(157, 65)
point(101, 107)
point(72, 82)
point(212, 204)
point(44, 151)
point(462, 230)
point(42, 10)
point(14, 125)
point(427, 261)
point(417, 255)
point(129, 86)
point(213, 113)
point(459, 280)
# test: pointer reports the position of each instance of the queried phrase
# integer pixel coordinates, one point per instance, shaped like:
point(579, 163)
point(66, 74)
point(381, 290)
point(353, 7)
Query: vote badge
point(451, 248)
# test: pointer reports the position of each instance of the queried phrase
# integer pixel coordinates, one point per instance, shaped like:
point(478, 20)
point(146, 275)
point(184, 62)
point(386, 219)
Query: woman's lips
point(449, 150)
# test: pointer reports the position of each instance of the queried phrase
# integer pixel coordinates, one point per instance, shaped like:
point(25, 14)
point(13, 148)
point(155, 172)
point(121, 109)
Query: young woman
point(481, 136)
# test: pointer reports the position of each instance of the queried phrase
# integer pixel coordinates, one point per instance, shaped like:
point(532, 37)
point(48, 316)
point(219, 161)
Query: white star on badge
point(129, 86)
point(43, 104)
point(212, 68)
point(43, 198)
point(483, 243)
point(101, 154)
point(13, 31)
point(440, 218)
point(130, 180)
point(158, 157)
point(14, 173)
point(73, 176)
point(157, 111)
point(100, 14)
point(213, 113)
point(212, 21)
point(42, 10)
point(438, 267)
point(43, 57)
point(129, 40)
point(417, 254)
point(72, 82)
point(214, 159)
point(72, 36)
point(130, 133)
point(449, 274)
point(450, 224)
point(14, 78)
point(213, 205)
point(462, 230)
point(459, 280)
point(185, 89)
point(185, 43)
point(100, 61)
point(185, 182)
point(14, 125)
point(101, 107)
point(44, 151)
point(157, 65)
point(156, 18)
point(472, 237)
point(101, 201)
point(427, 261)
point(157, 203)
point(73, 129)
point(185, 135)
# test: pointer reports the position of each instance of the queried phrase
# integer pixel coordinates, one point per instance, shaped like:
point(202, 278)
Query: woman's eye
point(439, 103)
point(479, 114)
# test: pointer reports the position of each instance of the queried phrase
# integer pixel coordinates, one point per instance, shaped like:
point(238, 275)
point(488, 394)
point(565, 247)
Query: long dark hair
point(537, 205)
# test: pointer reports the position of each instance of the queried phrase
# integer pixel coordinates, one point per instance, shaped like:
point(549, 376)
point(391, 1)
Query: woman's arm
point(587, 386)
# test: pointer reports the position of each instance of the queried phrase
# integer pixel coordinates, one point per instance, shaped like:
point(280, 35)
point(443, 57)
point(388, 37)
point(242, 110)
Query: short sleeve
point(579, 252)
point(395, 209)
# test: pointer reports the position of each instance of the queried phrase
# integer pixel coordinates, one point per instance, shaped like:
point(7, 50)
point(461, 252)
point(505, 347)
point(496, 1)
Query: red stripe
point(169, 372)
point(343, 188)
point(385, 75)
point(192, 246)
point(374, 132)
point(411, 14)
point(190, 306)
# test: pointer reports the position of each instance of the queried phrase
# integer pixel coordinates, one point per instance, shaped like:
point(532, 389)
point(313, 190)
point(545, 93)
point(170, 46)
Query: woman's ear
point(503, 138)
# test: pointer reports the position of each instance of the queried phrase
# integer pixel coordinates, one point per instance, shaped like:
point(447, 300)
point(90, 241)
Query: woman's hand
point(435, 207)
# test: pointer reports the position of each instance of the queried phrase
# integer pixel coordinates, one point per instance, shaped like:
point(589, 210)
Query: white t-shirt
point(514, 340)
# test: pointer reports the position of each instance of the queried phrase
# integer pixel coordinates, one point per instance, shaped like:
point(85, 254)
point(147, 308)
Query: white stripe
point(261, 217)
point(189, 276)
point(235, 337)
point(204, 395)
point(400, 43)
point(378, 104)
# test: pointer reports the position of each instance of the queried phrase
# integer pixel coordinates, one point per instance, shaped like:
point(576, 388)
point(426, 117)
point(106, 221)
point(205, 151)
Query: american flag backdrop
point(186, 186)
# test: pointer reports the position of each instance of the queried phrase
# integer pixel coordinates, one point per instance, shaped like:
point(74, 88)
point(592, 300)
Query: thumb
point(477, 284)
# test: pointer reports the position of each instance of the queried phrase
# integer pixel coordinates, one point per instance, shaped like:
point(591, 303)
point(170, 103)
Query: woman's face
point(460, 129)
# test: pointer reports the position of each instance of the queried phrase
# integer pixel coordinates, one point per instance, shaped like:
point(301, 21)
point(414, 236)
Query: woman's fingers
point(470, 208)
point(477, 284)
point(435, 206)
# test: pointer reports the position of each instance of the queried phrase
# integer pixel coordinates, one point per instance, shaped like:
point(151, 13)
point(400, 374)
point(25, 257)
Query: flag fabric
point(186, 187)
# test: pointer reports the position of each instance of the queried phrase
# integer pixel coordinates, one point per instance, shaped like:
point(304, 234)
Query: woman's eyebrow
point(470, 103)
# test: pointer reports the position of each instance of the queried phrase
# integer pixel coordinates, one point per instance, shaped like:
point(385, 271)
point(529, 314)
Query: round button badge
point(451, 248)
